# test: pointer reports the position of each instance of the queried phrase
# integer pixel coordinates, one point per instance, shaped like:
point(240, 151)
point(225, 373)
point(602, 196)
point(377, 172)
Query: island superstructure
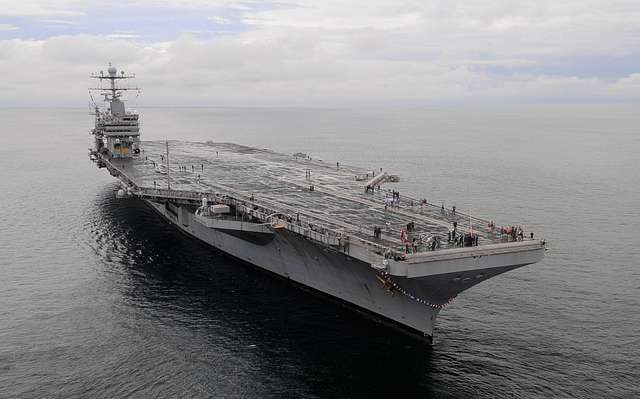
point(116, 130)
point(331, 227)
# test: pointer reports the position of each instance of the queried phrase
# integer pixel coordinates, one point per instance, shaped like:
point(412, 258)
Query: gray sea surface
point(99, 297)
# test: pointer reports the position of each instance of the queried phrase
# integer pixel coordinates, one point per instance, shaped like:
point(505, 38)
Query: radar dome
point(112, 70)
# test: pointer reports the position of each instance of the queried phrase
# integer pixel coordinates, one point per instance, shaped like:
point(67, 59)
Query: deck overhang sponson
point(467, 259)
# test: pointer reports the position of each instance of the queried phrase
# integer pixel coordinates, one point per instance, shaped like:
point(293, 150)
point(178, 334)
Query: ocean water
point(101, 298)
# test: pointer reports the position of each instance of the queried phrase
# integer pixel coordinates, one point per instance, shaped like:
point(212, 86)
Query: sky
point(323, 53)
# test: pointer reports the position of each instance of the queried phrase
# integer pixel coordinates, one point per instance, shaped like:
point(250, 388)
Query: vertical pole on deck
point(168, 179)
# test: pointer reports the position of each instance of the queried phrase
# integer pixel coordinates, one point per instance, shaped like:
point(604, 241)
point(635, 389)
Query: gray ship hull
point(329, 272)
point(337, 274)
point(323, 231)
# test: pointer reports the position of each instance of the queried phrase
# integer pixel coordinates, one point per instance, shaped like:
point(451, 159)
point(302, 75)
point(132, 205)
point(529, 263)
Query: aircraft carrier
point(338, 229)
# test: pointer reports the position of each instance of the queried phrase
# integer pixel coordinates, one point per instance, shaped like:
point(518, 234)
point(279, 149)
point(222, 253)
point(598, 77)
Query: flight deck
point(326, 196)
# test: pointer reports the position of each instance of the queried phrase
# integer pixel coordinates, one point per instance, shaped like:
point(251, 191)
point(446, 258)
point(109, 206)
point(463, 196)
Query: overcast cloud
point(323, 53)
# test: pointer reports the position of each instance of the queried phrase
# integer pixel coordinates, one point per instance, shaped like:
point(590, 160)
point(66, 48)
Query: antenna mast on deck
point(168, 179)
